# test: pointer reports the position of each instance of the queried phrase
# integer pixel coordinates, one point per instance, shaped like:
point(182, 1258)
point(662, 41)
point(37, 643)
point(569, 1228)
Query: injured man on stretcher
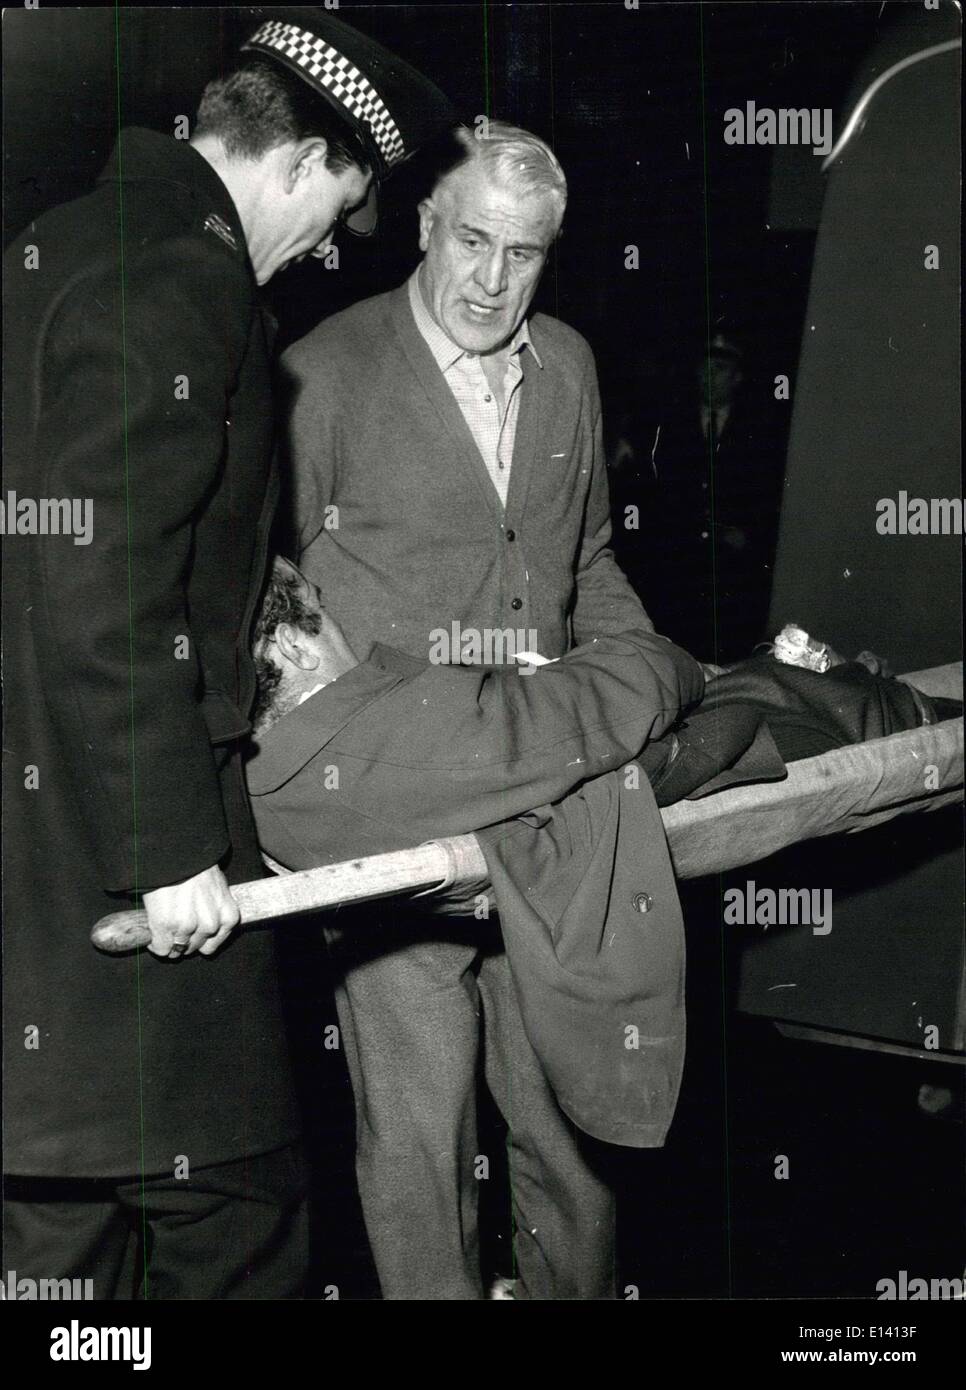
point(356, 757)
point(560, 769)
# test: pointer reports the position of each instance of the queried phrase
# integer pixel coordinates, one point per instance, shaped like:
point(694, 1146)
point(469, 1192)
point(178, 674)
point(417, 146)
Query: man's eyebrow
point(485, 236)
point(474, 231)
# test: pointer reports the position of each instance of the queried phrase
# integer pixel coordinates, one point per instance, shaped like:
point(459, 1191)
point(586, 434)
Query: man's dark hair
point(282, 602)
point(262, 105)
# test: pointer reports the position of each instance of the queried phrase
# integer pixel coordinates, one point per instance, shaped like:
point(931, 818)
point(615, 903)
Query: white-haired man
point(448, 478)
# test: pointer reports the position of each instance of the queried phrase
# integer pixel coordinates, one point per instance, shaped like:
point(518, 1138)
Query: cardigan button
point(511, 535)
point(516, 603)
point(643, 902)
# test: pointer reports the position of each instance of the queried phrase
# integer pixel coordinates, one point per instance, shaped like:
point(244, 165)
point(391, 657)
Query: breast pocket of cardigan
point(558, 490)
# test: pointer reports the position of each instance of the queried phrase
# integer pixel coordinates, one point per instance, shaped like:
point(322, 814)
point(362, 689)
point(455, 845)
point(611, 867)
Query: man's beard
point(274, 698)
point(283, 701)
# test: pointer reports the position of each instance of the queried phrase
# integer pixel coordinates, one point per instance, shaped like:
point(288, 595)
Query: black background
point(632, 102)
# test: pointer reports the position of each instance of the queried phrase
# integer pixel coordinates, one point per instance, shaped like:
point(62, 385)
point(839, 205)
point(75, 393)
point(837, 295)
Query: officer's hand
point(196, 915)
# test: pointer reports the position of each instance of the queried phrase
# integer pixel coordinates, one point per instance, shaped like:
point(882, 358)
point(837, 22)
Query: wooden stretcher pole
point(439, 865)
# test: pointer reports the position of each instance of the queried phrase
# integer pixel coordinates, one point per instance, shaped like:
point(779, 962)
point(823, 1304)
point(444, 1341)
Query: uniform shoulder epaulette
point(218, 225)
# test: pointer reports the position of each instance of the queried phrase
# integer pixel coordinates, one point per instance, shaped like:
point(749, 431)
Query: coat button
point(643, 902)
point(516, 603)
point(511, 535)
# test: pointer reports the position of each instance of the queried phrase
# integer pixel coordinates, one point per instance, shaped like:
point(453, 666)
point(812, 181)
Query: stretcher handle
point(439, 864)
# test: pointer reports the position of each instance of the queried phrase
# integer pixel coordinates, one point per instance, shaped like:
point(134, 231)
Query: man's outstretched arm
point(440, 750)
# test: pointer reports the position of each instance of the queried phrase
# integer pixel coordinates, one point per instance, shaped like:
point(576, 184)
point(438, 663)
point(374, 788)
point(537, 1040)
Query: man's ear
point(427, 216)
point(304, 158)
point(296, 647)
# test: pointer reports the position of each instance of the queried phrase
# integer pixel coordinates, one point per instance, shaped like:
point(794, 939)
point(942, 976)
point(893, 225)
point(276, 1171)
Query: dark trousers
point(415, 1002)
point(229, 1231)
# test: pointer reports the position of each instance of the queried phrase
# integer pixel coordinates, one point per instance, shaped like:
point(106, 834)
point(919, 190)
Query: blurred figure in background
point(635, 392)
point(705, 475)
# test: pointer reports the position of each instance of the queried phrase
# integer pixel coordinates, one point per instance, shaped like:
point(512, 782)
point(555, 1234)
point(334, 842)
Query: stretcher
point(842, 792)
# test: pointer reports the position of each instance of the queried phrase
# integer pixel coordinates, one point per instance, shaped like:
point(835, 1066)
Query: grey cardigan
point(397, 519)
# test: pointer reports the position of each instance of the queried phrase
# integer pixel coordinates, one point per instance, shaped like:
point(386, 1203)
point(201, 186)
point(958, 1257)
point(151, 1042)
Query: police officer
point(145, 1098)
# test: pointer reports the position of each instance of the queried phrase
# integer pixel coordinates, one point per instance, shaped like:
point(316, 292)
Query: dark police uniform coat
point(136, 381)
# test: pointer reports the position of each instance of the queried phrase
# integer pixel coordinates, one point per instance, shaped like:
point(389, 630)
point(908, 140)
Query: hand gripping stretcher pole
point(437, 865)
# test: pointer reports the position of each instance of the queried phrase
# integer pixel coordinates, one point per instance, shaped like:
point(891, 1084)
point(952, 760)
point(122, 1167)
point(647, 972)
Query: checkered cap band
point(333, 71)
